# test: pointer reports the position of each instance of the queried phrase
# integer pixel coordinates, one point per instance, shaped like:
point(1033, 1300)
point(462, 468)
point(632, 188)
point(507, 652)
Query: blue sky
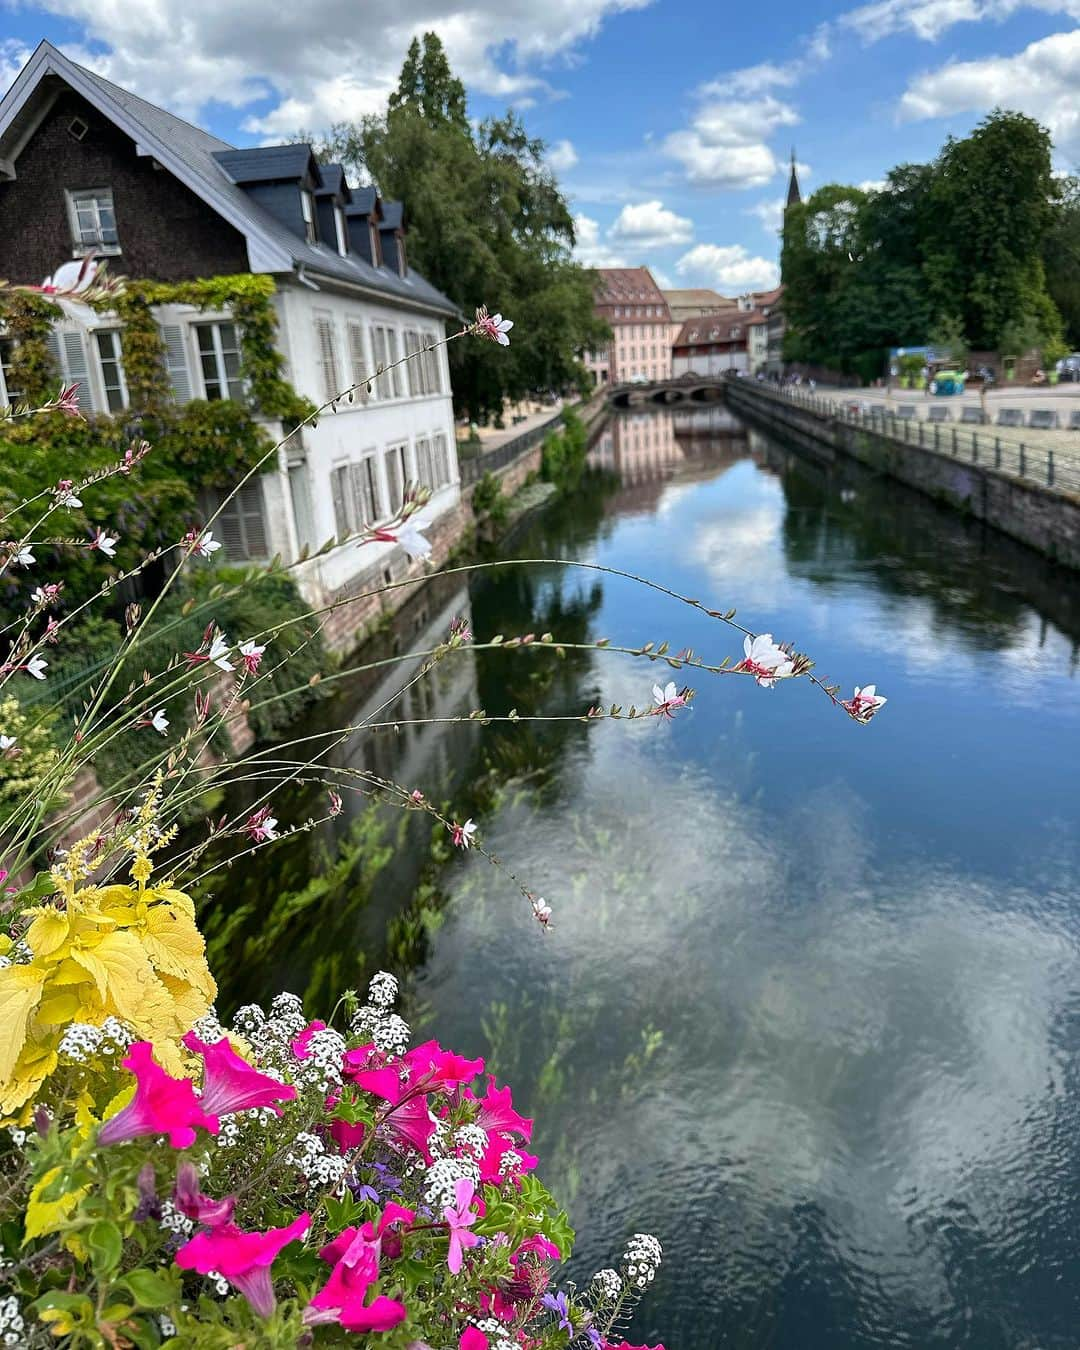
point(670, 122)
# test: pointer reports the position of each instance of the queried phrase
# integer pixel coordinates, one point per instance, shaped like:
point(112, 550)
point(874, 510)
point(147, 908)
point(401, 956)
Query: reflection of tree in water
point(323, 909)
point(976, 580)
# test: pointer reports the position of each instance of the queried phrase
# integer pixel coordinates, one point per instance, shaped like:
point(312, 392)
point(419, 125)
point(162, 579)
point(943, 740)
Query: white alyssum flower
point(382, 989)
point(609, 1283)
point(309, 1156)
point(322, 1067)
point(116, 1036)
point(642, 1256)
point(443, 1175)
point(167, 1325)
point(510, 1163)
point(472, 1138)
point(287, 1014)
point(392, 1035)
point(248, 1019)
point(79, 1042)
point(208, 1027)
point(12, 1325)
point(365, 1020)
point(18, 1137)
point(220, 1283)
point(175, 1222)
point(229, 1133)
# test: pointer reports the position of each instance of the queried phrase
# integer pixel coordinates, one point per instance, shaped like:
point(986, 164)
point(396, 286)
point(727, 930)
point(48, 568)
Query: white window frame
point(355, 484)
point(307, 210)
point(389, 383)
point(218, 353)
point(357, 357)
point(80, 246)
point(341, 230)
point(6, 396)
point(398, 455)
point(116, 360)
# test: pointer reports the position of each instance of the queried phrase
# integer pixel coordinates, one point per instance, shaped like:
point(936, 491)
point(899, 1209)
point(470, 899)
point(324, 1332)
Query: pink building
point(634, 306)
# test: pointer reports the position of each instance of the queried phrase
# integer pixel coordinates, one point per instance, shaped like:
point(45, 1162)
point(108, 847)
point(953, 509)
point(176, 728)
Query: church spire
point(793, 193)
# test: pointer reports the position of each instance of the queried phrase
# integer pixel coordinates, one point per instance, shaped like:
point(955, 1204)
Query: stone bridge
point(694, 388)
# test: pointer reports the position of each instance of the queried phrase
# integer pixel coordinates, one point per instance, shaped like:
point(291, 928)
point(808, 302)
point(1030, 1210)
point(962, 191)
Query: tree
point(487, 224)
point(1061, 258)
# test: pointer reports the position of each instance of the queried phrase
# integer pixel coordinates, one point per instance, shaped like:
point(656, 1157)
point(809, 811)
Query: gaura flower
point(460, 1218)
point(190, 1200)
point(216, 651)
point(6, 743)
point(231, 1084)
point(64, 490)
point(161, 1105)
point(201, 543)
point(335, 802)
point(251, 655)
point(407, 535)
point(23, 556)
point(667, 700)
point(48, 594)
point(261, 825)
point(865, 702)
point(764, 660)
point(541, 911)
point(158, 721)
point(37, 667)
point(244, 1259)
point(462, 835)
point(493, 326)
point(104, 543)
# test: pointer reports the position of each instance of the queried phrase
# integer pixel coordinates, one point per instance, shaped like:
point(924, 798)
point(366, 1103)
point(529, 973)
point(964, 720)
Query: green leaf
point(148, 1289)
point(105, 1243)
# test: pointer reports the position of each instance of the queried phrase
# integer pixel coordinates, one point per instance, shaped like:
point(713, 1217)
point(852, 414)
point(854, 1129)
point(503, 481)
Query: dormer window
point(93, 221)
point(307, 207)
point(342, 231)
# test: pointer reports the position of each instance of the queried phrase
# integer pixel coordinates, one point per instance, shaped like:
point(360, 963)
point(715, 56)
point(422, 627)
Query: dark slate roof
point(333, 182)
point(191, 154)
point(266, 163)
point(393, 214)
point(364, 199)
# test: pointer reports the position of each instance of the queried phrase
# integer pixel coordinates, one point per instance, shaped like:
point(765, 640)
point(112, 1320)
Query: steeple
point(793, 193)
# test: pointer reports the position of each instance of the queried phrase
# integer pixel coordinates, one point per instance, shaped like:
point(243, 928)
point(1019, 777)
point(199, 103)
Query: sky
point(670, 123)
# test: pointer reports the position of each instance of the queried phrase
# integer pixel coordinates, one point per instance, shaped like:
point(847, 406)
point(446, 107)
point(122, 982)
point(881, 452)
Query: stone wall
point(1044, 518)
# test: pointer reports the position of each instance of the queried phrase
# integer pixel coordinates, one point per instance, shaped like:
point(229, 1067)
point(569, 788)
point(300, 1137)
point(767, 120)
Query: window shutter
point(358, 362)
point(338, 489)
point(431, 362)
point(363, 506)
point(250, 498)
point(69, 358)
point(324, 335)
point(394, 478)
point(176, 361)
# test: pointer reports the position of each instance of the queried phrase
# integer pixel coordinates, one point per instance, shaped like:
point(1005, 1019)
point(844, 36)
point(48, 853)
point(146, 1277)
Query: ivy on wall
point(27, 319)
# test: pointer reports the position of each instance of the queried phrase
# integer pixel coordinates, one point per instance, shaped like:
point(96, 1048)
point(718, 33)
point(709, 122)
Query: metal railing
point(1052, 466)
point(474, 468)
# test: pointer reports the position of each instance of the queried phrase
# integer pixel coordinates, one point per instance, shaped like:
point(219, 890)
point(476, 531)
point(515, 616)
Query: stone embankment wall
point(1044, 518)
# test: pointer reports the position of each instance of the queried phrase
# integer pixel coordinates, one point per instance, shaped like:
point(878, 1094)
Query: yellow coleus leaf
point(175, 946)
point(177, 899)
point(46, 1216)
point(49, 931)
point(20, 993)
point(33, 1066)
point(134, 992)
point(61, 1006)
point(190, 1003)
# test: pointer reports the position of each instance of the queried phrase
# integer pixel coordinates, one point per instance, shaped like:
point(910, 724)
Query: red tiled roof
point(629, 288)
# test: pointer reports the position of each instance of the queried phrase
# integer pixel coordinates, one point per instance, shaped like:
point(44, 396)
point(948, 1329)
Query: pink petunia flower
point(244, 1259)
point(460, 1219)
point(497, 1112)
point(161, 1105)
point(433, 1067)
point(231, 1084)
point(191, 1202)
point(472, 1338)
point(354, 1254)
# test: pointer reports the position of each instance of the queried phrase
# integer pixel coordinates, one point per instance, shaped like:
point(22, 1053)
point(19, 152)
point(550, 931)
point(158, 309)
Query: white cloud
point(323, 60)
point(871, 185)
point(590, 249)
point(562, 155)
point(725, 145)
point(930, 19)
point(651, 225)
point(729, 268)
point(1040, 80)
point(770, 212)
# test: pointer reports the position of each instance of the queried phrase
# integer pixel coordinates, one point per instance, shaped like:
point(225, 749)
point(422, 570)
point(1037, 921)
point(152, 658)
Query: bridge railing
point(1055, 466)
point(473, 469)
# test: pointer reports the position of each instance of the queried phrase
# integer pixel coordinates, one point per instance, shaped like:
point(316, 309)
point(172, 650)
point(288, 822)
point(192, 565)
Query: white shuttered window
point(69, 356)
point(176, 361)
point(355, 492)
point(441, 457)
point(243, 524)
point(326, 350)
point(358, 370)
point(397, 474)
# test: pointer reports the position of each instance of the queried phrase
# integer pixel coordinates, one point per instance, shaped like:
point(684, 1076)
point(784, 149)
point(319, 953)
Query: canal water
point(810, 1008)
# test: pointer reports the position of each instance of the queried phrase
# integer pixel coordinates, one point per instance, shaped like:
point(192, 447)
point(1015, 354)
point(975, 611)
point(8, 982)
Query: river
point(810, 1008)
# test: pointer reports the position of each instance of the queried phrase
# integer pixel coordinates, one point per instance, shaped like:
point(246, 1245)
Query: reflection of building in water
point(401, 746)
point(647, 449)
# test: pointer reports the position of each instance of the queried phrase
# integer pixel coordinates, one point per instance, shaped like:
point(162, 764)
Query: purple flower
point(557, 1303)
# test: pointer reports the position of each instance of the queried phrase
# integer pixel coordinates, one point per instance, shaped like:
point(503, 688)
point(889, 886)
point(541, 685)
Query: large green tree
point(955, 245)
point(487, 224)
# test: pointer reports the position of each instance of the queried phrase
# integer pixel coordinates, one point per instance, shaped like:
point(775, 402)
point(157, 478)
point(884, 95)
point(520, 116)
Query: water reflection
point(810, 1008)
